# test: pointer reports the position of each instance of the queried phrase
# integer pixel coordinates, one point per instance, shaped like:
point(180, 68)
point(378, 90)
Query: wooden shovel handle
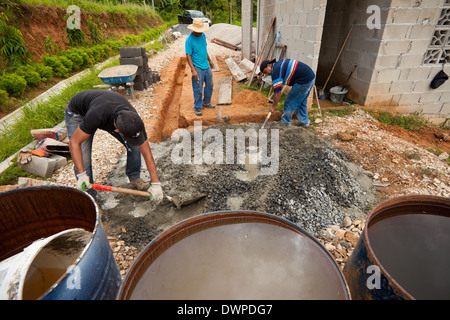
point(122, 190)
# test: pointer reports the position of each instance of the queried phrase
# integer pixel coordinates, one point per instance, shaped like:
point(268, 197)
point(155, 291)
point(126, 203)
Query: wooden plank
point(225, 91)
point(225, 44)
point(235, 70)
point(216, 67)
point(259, 58)
point(247, 65)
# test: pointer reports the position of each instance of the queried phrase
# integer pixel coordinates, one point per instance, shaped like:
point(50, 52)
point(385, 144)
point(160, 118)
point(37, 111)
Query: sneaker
point(301, 124)
point(209, 106)
point(198, 112)
point(140, 184)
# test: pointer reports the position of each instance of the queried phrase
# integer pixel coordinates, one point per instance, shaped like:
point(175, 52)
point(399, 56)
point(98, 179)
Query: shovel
point(267, 119)
point(348, 79)
point(177, 203)
point(122, 190)
point(321, 91)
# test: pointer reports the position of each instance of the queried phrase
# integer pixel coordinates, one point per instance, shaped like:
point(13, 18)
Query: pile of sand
point(250, 98)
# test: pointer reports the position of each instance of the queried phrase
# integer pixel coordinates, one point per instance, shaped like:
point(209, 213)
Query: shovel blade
point(185, 202)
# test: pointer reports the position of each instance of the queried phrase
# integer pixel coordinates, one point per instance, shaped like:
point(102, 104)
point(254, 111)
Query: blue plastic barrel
point(403, 252)
point(31, 214)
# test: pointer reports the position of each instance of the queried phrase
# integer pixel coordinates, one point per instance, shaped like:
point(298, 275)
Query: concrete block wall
point(401, 78)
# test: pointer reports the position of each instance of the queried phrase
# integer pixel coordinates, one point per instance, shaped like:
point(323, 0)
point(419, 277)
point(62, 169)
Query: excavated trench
point(168, 117)
point(234, 165)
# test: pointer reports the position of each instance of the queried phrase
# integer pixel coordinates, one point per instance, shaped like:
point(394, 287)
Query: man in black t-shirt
point(90, 110)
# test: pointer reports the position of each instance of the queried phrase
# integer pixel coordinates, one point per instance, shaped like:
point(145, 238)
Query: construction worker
point(297, 75)
point(90, 110)
point(200, 63)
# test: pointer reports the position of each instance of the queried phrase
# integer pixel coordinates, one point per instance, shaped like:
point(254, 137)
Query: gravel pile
point(314, 186)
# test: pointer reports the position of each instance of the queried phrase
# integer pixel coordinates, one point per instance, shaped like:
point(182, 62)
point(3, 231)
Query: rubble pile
point(340, 240)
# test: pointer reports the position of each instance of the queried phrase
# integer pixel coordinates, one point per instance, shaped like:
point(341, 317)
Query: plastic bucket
point(54, 246)
point(234, 255)
point(403, 253)
point(337, 94)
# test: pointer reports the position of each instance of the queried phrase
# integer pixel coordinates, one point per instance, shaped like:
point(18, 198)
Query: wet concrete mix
point(306, 180)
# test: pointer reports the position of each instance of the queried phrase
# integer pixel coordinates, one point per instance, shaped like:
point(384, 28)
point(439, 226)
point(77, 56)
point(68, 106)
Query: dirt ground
point(338, 167)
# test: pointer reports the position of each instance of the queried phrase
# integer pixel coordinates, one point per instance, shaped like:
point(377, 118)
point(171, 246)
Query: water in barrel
point(243, 261)
point(414, 249)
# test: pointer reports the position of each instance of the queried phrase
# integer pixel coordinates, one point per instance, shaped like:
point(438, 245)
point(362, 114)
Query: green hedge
point(68, 61)
point(13, 84)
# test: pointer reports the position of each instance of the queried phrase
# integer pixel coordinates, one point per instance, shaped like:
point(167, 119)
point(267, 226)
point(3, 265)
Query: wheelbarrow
point(119, 76)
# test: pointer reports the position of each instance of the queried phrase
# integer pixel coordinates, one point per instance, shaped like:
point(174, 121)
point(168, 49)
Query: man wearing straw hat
point(199, 62)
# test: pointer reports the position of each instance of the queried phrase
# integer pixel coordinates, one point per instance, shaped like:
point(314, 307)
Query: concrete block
point(395, 46)
point(420, 31)
point(419, 46)
point(384, 62)
point(364, 74)
point(428, 15)
point(379, 100)
point(403, 3)
point(379, 88)
point(445, 96)
point(313, 18)
point(308, 5)
point(445, 110)
point(139, 86)
point(395, 99)
point(130, 52)
point(409, 98)
point(60, 161)
point(386, 75)
point(406, 15)
point(430, 97)
point(410, 108)
point(422, 86)
point(137, 61)
point(432, 108)
point(404, 73)
point(40, 166)
point(394, 32)
point(420, 73)
point(410, 60)
point(401, 86)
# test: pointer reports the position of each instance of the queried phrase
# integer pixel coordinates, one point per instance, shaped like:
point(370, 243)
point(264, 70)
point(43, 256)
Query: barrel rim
point(93, 232)
point(404, 201)
point(86, 247)
point(201, 222)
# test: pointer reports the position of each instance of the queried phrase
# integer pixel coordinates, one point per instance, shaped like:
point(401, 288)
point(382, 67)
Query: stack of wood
point(225, 44)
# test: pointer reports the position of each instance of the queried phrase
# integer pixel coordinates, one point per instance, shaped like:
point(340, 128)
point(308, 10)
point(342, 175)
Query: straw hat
point(198, 25)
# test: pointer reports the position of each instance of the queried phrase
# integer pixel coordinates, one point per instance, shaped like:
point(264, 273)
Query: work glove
point(83, 181)
point(156, 191)
point(24, 156)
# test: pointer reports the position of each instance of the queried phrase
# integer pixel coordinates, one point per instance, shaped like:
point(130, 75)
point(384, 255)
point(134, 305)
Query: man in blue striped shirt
point(297, 75)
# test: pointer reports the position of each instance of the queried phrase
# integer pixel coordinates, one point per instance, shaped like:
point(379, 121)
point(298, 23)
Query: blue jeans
point(133, 168)
point(296, 102)
point(206, 81)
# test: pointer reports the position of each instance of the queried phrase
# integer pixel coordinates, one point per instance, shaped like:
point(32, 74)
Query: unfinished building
point(398, 47)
